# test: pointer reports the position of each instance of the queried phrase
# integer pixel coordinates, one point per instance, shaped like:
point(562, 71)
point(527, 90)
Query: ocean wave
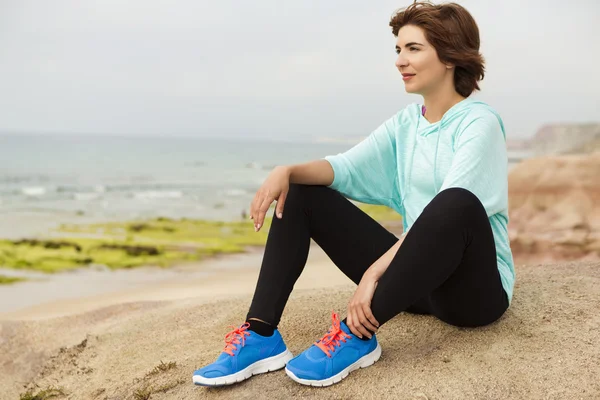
point(235, 192)
point(86, 196)
point(23, 178)
point(254, 165)
point(259, 166)
point(158, 186)
point(79, 188)
point(34, 191)
point(158, 194)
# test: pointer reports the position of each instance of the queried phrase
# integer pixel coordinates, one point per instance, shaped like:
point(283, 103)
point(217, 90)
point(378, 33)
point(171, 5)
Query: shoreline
point(158, 241)
point(210, 279)
point(190, 254)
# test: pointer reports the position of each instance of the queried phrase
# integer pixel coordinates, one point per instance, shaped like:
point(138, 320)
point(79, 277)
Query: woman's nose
point(401, 61)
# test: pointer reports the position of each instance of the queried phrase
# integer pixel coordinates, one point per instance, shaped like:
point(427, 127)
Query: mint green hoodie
point(405, 162)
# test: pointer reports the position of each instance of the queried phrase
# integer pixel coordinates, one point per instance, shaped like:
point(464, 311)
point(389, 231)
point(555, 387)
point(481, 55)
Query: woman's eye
point(397, 51)
point(413, 49)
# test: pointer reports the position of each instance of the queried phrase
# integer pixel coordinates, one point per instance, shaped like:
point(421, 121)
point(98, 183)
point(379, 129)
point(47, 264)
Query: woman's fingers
point(350, 321)
point(281, 204)
point(275, 187)
point(260, 206)
point(254, 206)
point(262, 211)
point(369, 320)
point(358, 325)
point(362, 324)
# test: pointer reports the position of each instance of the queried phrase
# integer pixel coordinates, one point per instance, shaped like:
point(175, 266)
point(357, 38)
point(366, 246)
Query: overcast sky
point(272, 68)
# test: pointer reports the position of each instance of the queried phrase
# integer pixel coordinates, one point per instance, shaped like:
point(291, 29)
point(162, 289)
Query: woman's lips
point(407, 76)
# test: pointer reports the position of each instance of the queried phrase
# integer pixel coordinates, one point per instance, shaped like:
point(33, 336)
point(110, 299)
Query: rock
point(133, 250)
point(566, 139)
point(149, 227)
point(554, 206)
point(48, 244)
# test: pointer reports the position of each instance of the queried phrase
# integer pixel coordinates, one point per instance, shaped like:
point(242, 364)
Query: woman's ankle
point(261, 327)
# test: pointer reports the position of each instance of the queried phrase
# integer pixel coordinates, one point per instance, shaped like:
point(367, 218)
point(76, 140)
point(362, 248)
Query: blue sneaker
point(333, 357)
point(246, 353)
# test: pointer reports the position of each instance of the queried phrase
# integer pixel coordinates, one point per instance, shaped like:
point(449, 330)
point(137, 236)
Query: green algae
point(7, 280)
point(156, 242)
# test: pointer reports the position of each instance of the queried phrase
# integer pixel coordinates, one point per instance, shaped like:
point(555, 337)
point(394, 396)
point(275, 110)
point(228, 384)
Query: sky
point(272, 68)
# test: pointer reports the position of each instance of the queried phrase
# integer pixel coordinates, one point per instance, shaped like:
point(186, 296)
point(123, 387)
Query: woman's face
point(422, 71)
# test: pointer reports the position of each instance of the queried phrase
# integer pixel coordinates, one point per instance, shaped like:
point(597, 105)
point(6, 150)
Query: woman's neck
point(437, 105)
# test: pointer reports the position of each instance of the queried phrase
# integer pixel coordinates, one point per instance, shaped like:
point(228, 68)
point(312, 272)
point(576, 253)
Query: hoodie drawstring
point(437, 145)
point(412, 157)
point(409, 175)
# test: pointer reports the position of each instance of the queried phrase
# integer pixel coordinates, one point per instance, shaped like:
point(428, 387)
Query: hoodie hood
point(458, 111)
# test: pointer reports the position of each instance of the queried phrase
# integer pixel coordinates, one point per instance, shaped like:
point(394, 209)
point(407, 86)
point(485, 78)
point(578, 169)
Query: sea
point(45, 179)
point(107, 177)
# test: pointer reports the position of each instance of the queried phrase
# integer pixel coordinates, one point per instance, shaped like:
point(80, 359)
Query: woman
point(441, 165)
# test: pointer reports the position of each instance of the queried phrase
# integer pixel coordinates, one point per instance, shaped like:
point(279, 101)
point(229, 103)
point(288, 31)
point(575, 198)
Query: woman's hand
point(359, 317)
point(275, 187)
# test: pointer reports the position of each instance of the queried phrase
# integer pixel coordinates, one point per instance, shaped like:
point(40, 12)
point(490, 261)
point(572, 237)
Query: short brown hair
point(453, 33)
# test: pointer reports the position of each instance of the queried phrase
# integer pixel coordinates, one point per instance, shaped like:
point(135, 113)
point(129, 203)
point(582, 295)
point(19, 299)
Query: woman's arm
point(377, 269)
point(360, 318)
point(276, 186)
point(367, 172)
point(317, 172)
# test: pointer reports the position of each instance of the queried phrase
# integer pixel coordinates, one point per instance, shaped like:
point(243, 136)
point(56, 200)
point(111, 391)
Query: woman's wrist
point(372, 274)
point(378, 268)
point(285, 170)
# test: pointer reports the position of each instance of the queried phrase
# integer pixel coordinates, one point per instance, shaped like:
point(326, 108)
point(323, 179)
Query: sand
point(105, 346)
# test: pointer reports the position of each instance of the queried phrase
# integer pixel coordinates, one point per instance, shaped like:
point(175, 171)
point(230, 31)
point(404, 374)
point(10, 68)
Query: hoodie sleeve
point(480, 163)
point(367, 172)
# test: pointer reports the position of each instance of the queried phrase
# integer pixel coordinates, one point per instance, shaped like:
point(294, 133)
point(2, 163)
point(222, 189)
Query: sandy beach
point(125, 343)
point(141, 141)
point(218, 278)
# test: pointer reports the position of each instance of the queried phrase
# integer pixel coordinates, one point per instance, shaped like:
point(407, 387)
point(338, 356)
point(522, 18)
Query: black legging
point(446, 265)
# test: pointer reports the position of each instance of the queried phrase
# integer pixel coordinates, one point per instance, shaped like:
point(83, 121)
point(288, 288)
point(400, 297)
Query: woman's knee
point(307, 194)
point(456, 202)
point(298, 194)
point(458, 196)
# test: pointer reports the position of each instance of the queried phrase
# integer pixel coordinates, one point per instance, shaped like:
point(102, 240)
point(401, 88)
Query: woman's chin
point(410, 89)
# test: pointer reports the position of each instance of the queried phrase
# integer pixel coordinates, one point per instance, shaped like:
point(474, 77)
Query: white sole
point(363, 362)
point(260, 367)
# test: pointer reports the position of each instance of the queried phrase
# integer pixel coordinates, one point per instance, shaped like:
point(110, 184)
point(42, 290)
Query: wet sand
point(46, 296)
